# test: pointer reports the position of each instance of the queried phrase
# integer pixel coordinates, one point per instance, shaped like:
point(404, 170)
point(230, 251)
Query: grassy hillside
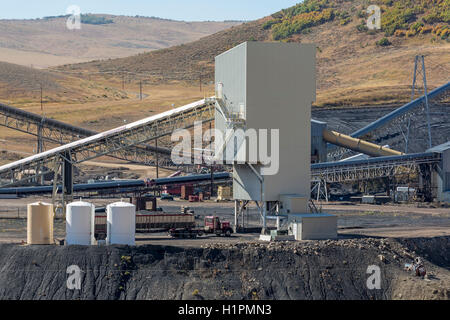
point(356, 66)
point(182, 62)
point(21, 86)
point(47, 42)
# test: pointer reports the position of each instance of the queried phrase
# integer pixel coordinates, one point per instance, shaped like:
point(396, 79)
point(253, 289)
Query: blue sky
point(189, 10)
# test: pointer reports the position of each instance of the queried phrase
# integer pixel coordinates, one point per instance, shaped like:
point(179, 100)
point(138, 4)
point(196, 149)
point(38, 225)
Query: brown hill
point(21, 86)
point(183, 62)
point(356, 66)
point(47, 42)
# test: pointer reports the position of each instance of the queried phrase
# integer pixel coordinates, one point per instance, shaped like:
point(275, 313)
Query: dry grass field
point(98, 114)
point(352, 69)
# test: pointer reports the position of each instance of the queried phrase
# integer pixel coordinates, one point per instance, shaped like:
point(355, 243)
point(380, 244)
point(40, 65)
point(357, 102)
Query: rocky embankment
point(307, 270)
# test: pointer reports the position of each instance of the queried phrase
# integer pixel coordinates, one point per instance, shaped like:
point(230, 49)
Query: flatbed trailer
point(213, 225)
point(150, 223)
point(186, 233)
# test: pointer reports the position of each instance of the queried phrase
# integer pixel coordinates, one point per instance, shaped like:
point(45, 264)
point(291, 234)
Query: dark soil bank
point(310, 270)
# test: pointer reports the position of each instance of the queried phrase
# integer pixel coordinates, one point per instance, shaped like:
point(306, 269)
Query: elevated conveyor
point(117, 141)
point(358, 145)
point(354, 170)
point(119, 186)
point(393, 128)
point(58, 132)
point(401, 111)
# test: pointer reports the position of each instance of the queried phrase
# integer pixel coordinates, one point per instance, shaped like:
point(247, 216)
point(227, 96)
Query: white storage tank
point(40, 223)
point(80, 223)
point(121, 223)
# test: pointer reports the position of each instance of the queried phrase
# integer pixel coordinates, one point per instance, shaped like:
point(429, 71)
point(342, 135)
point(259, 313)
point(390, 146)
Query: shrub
point(384, 42)
point(400, 33)
point(439, 12)
point(396, 18)
point(299, 18)
point(96, 20)
point(402, 14)
point(301, 22)
point(268, 24)
point(426, 29)
point(362, 27)
point(442, 31)
point(416, 26)
point(345, 21)
point(410, 33)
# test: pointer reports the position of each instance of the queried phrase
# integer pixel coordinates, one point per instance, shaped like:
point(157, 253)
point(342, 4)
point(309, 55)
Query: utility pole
point(123, 81)
point(200, 81)
point(140, 89)
point(42, 103)
point(40, 141)
point(212, 170)
point(157, 159)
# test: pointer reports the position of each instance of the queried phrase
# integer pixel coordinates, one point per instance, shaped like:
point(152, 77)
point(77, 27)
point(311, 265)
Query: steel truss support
point(419, 69)
point(60, 133)
point(425, 182)
point(62, 172)
point(240, 211)
point(342, 172)
point(319, 189)
point(122, 144)
point(395, 128)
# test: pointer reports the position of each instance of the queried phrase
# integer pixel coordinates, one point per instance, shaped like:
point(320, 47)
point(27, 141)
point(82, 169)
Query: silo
point(40, 223)
point(80, 219)
point(121, 223)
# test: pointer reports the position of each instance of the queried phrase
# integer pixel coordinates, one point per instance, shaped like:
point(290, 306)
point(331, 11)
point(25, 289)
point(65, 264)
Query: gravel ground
point(240, 267)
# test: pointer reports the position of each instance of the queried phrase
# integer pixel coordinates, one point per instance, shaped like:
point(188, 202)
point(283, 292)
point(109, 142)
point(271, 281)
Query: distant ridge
point(47, 42)
point(356, 66)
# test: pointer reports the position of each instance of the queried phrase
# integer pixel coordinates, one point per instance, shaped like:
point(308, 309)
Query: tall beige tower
point(268, 86)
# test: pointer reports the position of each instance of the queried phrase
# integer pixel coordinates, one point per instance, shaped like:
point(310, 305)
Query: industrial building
point(268, 87)
point(442, 173)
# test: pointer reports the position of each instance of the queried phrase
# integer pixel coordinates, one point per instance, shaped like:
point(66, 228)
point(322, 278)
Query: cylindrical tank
point(40, 223)
point(80, 219)
point(121, 223)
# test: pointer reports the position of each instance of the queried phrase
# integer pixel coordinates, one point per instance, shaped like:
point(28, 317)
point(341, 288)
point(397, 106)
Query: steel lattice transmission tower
point(419, 71)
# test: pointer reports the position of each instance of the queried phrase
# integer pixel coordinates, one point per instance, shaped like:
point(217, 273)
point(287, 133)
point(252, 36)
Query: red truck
point(213, 225)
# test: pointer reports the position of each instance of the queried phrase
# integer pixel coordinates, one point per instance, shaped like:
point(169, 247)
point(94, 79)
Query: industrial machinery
point(265, 87)
point(213, 225)
point(148, 223)
point(264, 93)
